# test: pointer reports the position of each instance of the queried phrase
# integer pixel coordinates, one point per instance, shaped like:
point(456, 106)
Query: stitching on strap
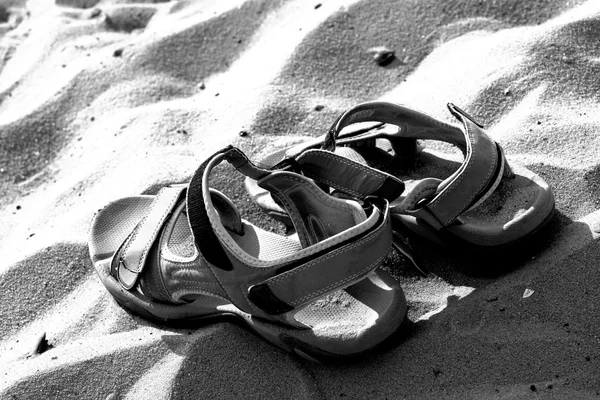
point(147, 246)
point(334, 253)
point(346, 161)
point(340, 283)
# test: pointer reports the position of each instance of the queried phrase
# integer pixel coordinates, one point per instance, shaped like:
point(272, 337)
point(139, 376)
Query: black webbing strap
point(204, 236)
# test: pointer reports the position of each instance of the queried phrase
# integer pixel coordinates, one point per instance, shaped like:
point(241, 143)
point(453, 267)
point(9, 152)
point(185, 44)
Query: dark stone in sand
point(41, 344)
point(95, 13)
point(4, 14)
point(384, 56)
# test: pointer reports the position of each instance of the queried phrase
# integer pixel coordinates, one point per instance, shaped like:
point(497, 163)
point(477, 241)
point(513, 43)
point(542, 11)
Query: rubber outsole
point(261, 329)
point(445, 238)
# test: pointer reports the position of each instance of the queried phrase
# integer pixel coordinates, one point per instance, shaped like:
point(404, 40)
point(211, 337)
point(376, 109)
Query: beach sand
point(102, 99)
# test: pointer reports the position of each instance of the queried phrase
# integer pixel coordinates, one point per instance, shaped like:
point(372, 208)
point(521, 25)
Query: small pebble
point(528, 292)
point(567, 60)
point(319, 107)
point(41, 344)
point(92, 119)
point(318, 5)
point(383, 56)
point(118, 53)
point(18, 207)
point(533, 388)
point(243, 133)
point(95, 12)
point(201, 86)
point(112, 396)
point(507, 92)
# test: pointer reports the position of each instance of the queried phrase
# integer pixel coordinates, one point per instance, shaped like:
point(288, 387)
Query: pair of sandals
point(186, 254)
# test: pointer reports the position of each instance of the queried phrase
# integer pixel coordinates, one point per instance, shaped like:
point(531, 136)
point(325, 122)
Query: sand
point(101, 99)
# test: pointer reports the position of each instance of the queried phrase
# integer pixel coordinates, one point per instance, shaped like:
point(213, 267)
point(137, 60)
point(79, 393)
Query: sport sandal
point(186, 255)
point(479, 203)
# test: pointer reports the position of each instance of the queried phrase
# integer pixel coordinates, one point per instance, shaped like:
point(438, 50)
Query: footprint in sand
point(470, 321)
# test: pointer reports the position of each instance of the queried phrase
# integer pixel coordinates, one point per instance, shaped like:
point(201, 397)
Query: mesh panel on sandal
point(181, 241)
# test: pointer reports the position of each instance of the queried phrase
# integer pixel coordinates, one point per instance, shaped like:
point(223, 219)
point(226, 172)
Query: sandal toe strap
point(129, 261)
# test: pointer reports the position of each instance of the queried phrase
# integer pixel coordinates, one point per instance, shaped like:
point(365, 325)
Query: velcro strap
point(204, 237)
point(348, 176)
point(133, 256)
point(481, 169)
point(333, 270)
point(494, 183)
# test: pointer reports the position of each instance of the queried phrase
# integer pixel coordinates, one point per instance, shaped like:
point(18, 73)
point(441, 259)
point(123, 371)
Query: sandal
point(479, 202)
point(186, 255)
